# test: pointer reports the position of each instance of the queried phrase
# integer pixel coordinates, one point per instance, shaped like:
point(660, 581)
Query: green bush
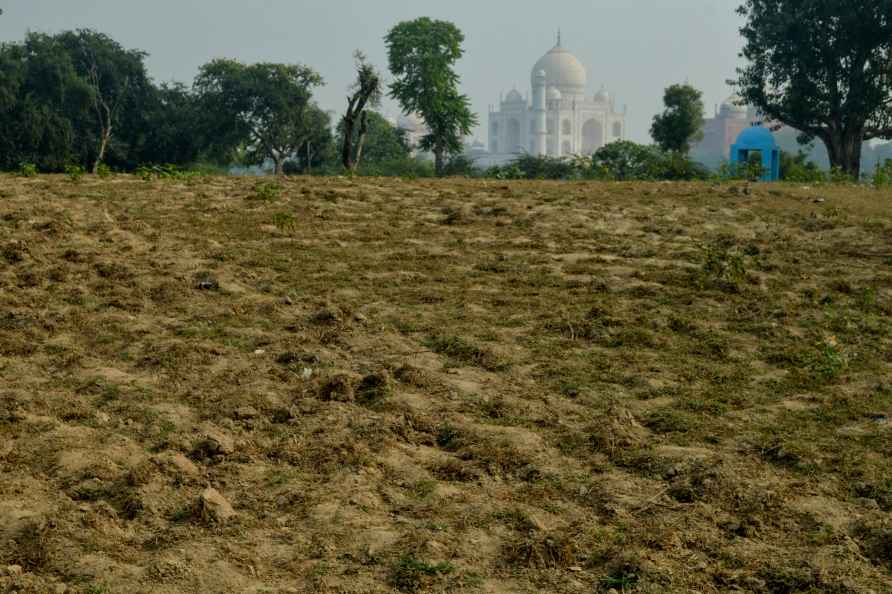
point(752, 170)
point(461, 165)
point(150, 172)
point(74, 172)
point(103, 170)
point(624, 160)
point(409, 168)
point(797, 168)
point(27, 170)
point(882, 175)
point(267, 191)
point(723, 267)
point(543, 167)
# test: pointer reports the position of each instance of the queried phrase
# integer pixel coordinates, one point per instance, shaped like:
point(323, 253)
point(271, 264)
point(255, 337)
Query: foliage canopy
point(823, 68)
point(422, 55)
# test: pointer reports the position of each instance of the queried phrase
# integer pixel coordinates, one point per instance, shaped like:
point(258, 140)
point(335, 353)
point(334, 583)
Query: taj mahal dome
point(561, 120)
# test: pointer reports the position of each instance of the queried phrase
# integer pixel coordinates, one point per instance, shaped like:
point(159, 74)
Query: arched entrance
point(514, 145)
point(592, 136)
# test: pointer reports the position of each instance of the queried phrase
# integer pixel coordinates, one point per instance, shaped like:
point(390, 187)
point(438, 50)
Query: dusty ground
point(335, 385)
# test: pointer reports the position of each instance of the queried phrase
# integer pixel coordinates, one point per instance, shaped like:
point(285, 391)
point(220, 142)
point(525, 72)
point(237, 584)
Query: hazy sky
point(634, 47)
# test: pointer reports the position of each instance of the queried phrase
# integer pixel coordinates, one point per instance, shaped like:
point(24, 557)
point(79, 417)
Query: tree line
point(81, 98)
point(822, 67)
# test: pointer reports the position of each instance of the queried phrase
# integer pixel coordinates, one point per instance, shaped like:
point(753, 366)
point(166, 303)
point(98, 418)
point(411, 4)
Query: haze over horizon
point(634, 48)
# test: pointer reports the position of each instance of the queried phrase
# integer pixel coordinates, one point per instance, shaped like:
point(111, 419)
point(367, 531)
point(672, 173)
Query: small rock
point(287, 300)
point(214, 443)
point(246, 413)
point(360, 318)
point(213, 507)
point(103, 418)
point(306, 374)
point(819, 200)
point(183, 464)
point(338, 388)
point(259, 352)
point(13, 570)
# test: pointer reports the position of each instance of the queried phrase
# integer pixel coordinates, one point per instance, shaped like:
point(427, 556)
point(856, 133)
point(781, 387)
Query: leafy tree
point(40, 93)
point(52, 86)
point(422, 54)
point(384, 142)
point(265, 106)
point(318, 149)
point(822, 67)
point(117, 80)
point(681, 123)
point(173, 132)
point(366, 93)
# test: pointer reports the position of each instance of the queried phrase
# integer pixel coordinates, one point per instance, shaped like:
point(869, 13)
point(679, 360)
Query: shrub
point(723, 267)
point(624, 160)
point(461, 165)
point(410, 574)
point(150, 172)
point(543, 167)
point(74, 172)
point(27, 170)
point(409, 168)
point(797, 168)
point(267, 191)
point(752, 170)
point(103, 170)
point(882, 175)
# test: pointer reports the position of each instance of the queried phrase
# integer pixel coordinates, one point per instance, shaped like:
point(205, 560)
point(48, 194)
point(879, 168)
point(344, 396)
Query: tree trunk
point(280, 166)
point(439, 161)
point(844, 150)
point(363, 132)
point(103, 146)
point(347, 146)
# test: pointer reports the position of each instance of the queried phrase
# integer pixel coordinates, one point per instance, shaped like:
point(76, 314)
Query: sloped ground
point(211, 385)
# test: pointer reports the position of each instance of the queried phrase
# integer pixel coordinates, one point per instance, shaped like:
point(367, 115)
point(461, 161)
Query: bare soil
point(368, 385)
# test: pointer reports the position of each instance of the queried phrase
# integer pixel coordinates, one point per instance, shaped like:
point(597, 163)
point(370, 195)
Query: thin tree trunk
point(103, 146)
point(363, 132)
point(349, 123)
point(280, 169)
point(439, 161)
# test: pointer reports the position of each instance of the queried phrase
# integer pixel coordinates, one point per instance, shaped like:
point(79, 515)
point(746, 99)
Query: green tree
point(118, 83)
point(823, 68)
point(173, 131)
point(681, 123)
point(422, 55)
point(263, 106)
point(318, 149)
point(366, 93)
point(76, 97)
point(384, 141)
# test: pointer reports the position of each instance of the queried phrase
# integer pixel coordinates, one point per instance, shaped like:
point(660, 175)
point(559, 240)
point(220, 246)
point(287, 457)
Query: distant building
point(561, 120)
point(720, 131)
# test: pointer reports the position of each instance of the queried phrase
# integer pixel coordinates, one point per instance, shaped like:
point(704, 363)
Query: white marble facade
point(561, 120)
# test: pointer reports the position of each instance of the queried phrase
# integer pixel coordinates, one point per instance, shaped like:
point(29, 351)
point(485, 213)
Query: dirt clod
point(214, 508)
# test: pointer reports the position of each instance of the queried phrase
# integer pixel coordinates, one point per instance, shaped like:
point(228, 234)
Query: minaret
point(540, 122)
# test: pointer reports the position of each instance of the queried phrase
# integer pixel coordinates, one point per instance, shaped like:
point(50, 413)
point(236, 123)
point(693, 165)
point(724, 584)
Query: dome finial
point(559, 37)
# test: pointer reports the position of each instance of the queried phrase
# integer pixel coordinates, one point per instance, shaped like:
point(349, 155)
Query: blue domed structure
point(758, 140)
